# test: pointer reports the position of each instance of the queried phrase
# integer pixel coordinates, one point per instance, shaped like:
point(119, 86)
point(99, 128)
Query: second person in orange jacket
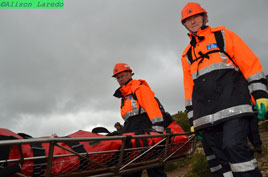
point(139, 109)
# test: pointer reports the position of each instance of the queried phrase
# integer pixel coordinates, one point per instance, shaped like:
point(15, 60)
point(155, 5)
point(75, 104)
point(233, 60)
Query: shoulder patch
point(218, 28)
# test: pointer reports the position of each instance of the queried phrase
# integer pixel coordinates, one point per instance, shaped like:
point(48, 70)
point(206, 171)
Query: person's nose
point(192, 21)
point(120, 80)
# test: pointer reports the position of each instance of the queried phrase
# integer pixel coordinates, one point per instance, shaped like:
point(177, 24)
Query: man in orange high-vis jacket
point(139, 109)
point(220, 72)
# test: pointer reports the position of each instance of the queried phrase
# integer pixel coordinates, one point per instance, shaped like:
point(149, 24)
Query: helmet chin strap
point(204, 21)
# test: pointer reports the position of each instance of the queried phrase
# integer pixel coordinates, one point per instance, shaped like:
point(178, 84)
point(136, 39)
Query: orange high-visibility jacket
point(218, 88)
point(143, 104)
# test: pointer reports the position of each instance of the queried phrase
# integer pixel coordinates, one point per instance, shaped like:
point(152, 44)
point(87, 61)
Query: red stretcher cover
point(61, 165)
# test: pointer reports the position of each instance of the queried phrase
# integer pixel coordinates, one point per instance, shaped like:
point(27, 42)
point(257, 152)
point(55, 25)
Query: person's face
point(123, 77)
point(195, 22)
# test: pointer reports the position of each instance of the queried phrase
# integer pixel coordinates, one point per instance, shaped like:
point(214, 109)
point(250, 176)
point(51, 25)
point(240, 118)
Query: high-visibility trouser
point(228, 140)
point(219, 167)
point(253, 135)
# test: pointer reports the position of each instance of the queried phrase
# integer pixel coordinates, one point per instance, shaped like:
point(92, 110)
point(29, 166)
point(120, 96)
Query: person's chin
point(195, 29)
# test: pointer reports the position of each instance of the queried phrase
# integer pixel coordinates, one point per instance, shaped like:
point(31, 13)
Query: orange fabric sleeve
point(147, 101)
point(243, 56)
point(187, 79)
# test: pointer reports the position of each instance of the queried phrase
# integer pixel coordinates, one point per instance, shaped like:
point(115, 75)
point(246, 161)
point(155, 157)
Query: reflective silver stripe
point(157, 119)
point(213, 67)
point(188, 102)
point(190, 114)
point(257, 86)
point(257, 76)
point(77, 145)
point(224, 58)
point(132, 113)
point(135, 110)
point(222, 32)
point(40, 148)
point(189, 62)
point(225, 113)
point(244, 166)
point(134, 104)
point(158, 128)
point(213, 169)
point(228, 174)
point(210, 157)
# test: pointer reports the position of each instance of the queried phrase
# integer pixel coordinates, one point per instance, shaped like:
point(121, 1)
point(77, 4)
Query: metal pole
point(121, 155)
point(189, 140)
point(166, 146)
point(142, 154)
point(50, 157)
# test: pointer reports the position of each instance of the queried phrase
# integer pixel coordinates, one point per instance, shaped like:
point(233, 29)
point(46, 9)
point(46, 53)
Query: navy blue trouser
point(217, 166)
point(152, 172)
point(228, 141)
point(253, 135)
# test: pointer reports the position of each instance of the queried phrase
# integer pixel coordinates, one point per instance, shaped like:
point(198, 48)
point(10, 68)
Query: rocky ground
point(262, 158)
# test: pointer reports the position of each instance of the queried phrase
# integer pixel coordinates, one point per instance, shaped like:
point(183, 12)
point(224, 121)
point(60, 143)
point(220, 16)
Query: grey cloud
point(56, 65)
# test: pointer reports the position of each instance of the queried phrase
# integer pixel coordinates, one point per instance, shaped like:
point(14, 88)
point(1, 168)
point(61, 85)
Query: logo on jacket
point(128, 97)
point(212, 46)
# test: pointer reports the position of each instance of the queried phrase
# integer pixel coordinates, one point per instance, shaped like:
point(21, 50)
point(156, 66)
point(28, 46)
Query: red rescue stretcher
point(90, 154)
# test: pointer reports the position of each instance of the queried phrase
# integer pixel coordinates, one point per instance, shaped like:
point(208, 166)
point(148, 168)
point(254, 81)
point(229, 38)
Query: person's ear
point(206, 18)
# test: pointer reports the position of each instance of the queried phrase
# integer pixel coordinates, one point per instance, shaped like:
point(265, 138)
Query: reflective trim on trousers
point(212, 67)
point(257, 76)
point(244, 166)
point(157, 119)
point(257, 86)
point(228, 174)
point(190, 114)
point(225, 113)
point(133, 113)
point(216, 168)
point(211, 157)
point(188, 103)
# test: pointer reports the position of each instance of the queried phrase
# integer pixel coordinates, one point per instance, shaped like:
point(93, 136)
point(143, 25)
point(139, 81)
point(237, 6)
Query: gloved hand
point(192, 129)
point(262, 107)
point(199, 135)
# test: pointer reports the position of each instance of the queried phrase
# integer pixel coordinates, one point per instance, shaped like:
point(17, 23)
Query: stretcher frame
point(122, 166)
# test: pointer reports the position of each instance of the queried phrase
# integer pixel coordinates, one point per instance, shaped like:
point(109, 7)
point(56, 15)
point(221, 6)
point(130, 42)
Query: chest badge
point(212, 46)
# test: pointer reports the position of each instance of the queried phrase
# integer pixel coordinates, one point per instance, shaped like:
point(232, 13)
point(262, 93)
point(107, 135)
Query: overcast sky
point(56, 65)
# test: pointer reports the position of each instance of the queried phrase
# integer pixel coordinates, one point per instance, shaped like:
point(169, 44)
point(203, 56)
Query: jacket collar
point(199, 36)
point(118, 93)
point(129, 88)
